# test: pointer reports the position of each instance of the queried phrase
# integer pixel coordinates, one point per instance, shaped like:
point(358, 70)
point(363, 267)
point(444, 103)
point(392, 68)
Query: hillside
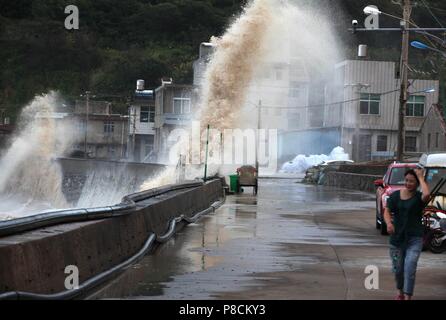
point(120, 41)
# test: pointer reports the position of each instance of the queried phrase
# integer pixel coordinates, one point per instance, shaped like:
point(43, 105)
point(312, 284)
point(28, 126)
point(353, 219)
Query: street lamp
point(375, 11)
point(430, 90)
point(372, 10)
point(422, 46)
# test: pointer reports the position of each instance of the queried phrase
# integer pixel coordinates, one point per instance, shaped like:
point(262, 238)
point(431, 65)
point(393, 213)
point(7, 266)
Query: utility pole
point(207, 152)
point(357, 104)
point(407, 10)
point(87, 95)
point(134, 132)
point(258, 135)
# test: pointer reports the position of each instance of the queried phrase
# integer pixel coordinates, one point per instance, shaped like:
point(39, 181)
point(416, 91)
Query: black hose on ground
point(102, 277)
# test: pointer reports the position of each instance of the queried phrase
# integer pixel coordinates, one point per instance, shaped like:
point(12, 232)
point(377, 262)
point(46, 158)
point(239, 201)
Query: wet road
point(293, 241)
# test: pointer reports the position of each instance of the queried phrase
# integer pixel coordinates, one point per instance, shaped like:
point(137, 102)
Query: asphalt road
point(292, 241)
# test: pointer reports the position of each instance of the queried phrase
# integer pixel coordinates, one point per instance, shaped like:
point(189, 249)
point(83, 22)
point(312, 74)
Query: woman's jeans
point(404, 263)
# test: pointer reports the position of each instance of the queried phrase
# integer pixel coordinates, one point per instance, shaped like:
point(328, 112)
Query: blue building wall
point(307, 142)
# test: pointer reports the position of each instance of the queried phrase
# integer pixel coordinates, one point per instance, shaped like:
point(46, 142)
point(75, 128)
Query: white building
point(358, 110)
point(368, 117)
point(142, 126)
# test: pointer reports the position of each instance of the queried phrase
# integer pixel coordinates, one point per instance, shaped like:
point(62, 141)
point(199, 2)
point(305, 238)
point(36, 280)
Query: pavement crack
point(337, 257)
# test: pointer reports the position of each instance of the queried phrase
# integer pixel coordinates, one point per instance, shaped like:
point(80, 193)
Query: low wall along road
point(359, 182)
point(35, 261)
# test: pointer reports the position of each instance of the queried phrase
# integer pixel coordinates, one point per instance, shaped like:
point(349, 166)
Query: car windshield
point(433, 176)
point(397, 176)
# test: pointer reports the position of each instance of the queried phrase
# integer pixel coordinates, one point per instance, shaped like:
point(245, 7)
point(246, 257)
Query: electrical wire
point(432, 14)
point(437, 20)
point(326, 104)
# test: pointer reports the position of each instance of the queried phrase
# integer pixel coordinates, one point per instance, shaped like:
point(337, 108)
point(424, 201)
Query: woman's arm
point(424, 186)
point(388, 220)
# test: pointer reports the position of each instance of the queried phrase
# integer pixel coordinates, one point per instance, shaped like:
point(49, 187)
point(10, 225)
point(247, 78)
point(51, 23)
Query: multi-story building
point(434, 136)
point(282, 88)
point(174, 106)
point(200, 65)
point(369, 122)
point(102, 134)
point(360, 113)
point(142, 126)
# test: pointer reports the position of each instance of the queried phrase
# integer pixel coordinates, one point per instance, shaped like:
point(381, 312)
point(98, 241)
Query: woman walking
point(406, 230)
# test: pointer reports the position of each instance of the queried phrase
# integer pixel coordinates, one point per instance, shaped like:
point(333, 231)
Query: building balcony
point(176, 119)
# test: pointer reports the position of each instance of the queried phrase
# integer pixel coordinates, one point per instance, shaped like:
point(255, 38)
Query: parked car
point(392, 181)
point(435, 212)
point(435, 167)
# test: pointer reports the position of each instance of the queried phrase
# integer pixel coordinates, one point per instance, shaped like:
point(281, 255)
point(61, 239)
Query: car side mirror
point(379, 183)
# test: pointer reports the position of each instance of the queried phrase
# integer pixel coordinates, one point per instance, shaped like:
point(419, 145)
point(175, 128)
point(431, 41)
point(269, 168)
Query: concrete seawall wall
point(35, 261)
point(76, 172)
point(360, 182)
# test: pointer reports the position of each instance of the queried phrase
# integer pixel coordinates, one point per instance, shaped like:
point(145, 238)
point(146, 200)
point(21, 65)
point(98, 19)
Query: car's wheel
point(436, 245)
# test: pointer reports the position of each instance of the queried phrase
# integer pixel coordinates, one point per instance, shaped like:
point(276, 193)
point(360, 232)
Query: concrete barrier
point(76, 172)
point(368, 169)
point(361, 182)
point(35, 261)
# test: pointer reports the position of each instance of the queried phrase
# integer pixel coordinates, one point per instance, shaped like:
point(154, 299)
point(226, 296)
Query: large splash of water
point(30, 177)
point(232, 66)
point(267, 32)
point(238, 53)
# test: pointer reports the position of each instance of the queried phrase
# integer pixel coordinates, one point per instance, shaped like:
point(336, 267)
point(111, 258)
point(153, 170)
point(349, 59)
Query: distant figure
point(406, 230)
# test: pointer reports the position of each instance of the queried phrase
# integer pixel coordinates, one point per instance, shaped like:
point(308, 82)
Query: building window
point(109, 126)
point(411, 144)
point(381, 144)
point(415, 106)
point(181, 105)
point(369, 103)
point(146, 115)
point(437, 138)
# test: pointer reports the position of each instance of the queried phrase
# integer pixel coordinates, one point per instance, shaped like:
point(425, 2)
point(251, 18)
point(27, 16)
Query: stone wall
point(365, 169)
point(360, 182)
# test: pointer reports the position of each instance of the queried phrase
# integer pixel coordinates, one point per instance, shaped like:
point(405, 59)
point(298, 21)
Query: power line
point(329, 104)
point(432, 14)
point(438, 9)
point(435, 17)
